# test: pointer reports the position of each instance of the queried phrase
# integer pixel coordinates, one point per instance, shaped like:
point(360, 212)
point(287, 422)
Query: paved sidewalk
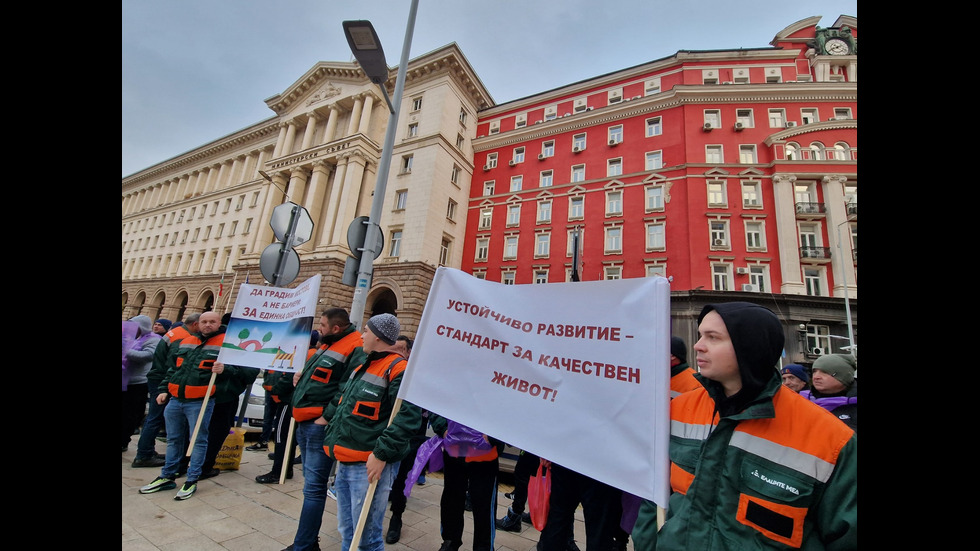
point(233, 512)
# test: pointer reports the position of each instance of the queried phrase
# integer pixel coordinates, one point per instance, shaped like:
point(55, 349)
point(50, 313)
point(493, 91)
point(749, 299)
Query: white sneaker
point(331, 494)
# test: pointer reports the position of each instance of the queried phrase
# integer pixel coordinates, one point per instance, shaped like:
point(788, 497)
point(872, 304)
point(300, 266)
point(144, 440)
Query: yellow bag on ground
point(230, 456)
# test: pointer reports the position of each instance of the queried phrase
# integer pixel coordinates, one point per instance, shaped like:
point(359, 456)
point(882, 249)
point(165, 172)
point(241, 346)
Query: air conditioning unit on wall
point(817, 351)
point(749, 287)
point(741, 270)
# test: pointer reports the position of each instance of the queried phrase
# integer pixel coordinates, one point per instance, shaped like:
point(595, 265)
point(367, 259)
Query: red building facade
point(733, 171)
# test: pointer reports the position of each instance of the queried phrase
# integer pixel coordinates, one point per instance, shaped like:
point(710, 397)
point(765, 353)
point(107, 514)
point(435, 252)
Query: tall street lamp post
point(366, 47)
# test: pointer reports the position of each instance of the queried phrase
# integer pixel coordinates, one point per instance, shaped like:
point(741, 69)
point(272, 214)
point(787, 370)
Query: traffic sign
point(279, 264)
point(283, 216)
point(356, 233)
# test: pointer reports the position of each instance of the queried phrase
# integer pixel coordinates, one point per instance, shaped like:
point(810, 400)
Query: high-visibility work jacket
point(359, 421)
point(324, 374)
point(683, 381)
point(781, 474)
point(188, 378)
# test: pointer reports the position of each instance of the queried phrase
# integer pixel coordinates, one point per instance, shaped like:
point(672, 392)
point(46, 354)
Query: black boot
point(510, 523)
point(394, 528)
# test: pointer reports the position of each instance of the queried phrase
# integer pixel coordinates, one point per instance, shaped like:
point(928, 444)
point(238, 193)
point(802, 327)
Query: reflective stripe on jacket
point(780, 474)
point(359, 424)
point(324, 373)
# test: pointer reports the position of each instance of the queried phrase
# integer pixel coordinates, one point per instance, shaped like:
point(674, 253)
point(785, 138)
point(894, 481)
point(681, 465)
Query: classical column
point(331, 132)
point(290, 142)
point(194, 185)
point(353, 183)
point(841, 254)
point(333, 202)
point(297, 185)
point(789, 243)
point(310, 131)
point(281, 140)
point(273, 198)
point(366, 114)
point(355, 115)
point(314, 197)
point(221, 180)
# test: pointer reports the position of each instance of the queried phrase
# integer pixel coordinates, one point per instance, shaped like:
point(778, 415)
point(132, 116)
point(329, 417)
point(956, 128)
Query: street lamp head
point(366, 47)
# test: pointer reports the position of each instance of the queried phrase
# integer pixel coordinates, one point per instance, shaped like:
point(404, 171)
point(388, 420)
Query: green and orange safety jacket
point(780, 474)
point(682, 380)
point(359, 416)
point(325, 373)
point(189, 374)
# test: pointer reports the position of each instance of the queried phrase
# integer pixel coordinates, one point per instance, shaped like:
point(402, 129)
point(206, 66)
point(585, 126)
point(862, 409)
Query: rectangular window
point(615, 134)
point(492, 160)
point(248, 226)
point(548, 148)
point(416, 103)
point(753, 235)
point(547, 178)
point(486, 218)
point(654, 160)
point(578, 173)
point(576, 208)
point(482, 249)
point(613, 272)
point(656, 239)
point(510, 246)
point(396, 244)
point(520, 121)
point(757, 277)
point(777, 118)
point(227, 205)
point(809, 116)
point(721, 277)
point(451, 210)
point(401, 199)
point(462, 117)
point(542, 244)
point(614, 239)
point(712, 118)
point(214, 208)
point(495, 127)
point(514, 214)
point(454, 175)
point(654, 128)
point(488, 188)
point(241, 202)
point(744, 116)
point(507, 278)
point(746, 154)
point(614, 202)
point(654, 270)
point(719, 234)
point(651, 86)
point(716, 194)
point(842, 113)
point(221, 230)
point(234, 227)
point(544, 211)
point(812, 279)
point(413, 130)
point(614, 167)
point(578, 143)
point(654, 199)
point(516, 182)
point(445, 250)
point(407, 163)
point(255, 199)
point(197, 232)
point(751, 195)
point(713, 154)
point(459, 141)
point(541, 276)
point(519, 155)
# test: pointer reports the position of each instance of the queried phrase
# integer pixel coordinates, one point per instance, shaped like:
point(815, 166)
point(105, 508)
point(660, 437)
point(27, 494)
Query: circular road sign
point(269, 264)
point(357, 232)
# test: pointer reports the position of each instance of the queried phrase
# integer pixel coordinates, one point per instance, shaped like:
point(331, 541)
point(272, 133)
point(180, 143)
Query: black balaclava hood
point(758, 339)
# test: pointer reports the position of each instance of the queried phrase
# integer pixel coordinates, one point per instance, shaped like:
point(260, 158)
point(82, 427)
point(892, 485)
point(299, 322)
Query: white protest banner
point(270, 326)
point(576, 373)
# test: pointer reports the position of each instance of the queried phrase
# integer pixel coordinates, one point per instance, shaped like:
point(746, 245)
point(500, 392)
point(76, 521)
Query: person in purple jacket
point(835, 387)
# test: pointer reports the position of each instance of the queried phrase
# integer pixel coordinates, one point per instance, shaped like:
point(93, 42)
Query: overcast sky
point(194, 71)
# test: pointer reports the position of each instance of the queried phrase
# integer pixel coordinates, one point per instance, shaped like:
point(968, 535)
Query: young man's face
point(371, 341)
point(826, 383)
point(159, 329)
point(716, 353)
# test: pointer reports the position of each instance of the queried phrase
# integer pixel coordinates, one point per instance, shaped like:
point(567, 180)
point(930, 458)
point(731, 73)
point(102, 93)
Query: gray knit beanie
point(385, 327)
point(838, 366)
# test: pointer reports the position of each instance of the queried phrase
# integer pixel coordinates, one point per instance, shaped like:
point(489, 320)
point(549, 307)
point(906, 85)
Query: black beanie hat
point(678, 348)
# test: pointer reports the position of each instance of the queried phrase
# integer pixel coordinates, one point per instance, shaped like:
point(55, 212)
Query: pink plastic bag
point(539, 497)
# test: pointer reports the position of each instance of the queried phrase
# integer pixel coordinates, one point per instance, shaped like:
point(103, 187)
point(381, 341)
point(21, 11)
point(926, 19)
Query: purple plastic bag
point(429, 452)
point(462, 441)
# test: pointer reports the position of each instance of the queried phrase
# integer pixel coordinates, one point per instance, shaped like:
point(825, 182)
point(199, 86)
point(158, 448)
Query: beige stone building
point(195, 225)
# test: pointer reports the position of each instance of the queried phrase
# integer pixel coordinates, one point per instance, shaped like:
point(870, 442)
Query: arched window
point(817, 152)
point(792, 151)
point(842, 151)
